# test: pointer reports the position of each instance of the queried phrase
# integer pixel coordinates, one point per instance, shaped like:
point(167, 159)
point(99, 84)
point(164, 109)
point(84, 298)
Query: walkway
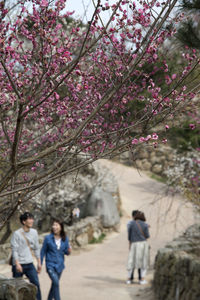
point(98, 272)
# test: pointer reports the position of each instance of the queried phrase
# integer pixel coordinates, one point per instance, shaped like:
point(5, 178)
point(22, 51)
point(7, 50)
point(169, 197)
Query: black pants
point(139, 274)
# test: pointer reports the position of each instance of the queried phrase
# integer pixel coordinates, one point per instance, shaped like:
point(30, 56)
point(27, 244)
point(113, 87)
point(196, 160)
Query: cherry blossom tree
point(71, 94)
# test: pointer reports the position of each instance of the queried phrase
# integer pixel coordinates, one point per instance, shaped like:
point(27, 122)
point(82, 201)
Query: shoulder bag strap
point(140, 228)
point(32, 253)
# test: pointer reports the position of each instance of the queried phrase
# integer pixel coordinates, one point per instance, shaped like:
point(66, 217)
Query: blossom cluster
point(68, 88)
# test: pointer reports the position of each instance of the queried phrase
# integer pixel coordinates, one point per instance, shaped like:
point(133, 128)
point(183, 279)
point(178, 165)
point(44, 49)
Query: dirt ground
point(98, 272)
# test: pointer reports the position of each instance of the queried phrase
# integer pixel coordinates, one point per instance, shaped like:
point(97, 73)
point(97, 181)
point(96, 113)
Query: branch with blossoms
point(66, 89)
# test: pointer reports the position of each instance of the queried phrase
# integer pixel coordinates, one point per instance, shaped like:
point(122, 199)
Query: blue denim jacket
point(54, 257)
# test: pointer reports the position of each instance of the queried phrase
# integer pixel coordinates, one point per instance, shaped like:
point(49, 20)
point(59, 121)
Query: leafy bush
point(98, 240)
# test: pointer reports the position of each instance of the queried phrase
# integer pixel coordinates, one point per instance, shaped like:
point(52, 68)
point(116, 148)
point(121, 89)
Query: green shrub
point(98, 240)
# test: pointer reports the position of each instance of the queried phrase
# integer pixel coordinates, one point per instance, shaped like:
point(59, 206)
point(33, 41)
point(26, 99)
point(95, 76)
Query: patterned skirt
point(138, 257)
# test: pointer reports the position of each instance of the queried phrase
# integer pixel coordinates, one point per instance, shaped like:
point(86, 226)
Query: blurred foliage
point(158, 178)
point(184, 138)
point(98, 240)
point(188, 32)
point(190, 4)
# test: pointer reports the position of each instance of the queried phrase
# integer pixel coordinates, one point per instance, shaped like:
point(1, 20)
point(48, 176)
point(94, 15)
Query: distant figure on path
point(55, 246)
point(24, 241)
point(134, 213)
point(76, 214)
point(138, 258)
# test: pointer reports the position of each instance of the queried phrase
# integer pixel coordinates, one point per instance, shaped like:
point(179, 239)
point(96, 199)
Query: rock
point(142, 164)
point(193, 232)
point(82, 239)
point(157, 168)
point(170, 156)
point(125, 157)
point(148, 158)
point(102, 204)
point(4, 250)
point(155, 160)
point(143, 153)
point(60, 197)
point(17, 288)
point(177, 268)
point(138, 164)
point(146, 165)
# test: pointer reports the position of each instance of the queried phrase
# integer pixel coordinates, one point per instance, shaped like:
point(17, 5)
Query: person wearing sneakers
point(55, 247)
point(138, 233)
point(134, 213)
point(25, 244)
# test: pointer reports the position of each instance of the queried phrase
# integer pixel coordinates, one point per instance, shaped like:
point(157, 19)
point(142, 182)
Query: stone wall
point(177, 268)
point(148, 158)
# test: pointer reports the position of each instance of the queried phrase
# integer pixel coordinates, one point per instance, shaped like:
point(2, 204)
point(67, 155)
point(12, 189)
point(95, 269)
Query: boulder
point(145, 165)
point(60, 197)
point(143, 153)
point(177, 268)
point(157, 168)
point(17, 289)
point(102, 204)
point(82, 239)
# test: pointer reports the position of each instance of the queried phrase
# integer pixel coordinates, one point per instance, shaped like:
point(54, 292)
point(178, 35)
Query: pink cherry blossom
point(68, 90)
point(134, 142)
point(192, 126)
point(44, 3)
point(154, 136)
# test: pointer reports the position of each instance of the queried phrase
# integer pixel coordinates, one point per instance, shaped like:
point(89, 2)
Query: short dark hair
point(134, 213)
point(25, 216)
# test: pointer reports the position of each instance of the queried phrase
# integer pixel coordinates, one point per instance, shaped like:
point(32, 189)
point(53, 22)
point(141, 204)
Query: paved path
point(98, 272)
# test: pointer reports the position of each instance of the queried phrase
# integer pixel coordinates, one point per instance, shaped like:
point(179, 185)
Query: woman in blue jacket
point(54, 247)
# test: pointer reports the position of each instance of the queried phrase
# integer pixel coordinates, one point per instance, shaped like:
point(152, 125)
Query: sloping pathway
point(98, 272)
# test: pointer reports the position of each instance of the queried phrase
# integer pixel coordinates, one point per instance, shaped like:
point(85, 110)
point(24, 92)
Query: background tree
point(189, 30)
point(185, 177)
point(66, 90)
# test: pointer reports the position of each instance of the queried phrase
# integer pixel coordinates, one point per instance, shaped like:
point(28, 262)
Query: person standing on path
point(134, 213)
point(55, 246)
point(138, 233)
point(24, 241)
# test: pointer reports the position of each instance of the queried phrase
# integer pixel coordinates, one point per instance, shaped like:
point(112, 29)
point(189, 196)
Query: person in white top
point(55, 247)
